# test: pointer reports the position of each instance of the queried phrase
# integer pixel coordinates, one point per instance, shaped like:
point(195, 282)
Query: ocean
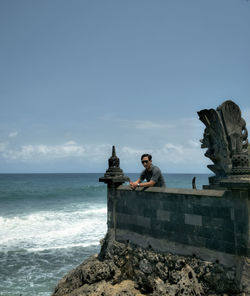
point(50, 223)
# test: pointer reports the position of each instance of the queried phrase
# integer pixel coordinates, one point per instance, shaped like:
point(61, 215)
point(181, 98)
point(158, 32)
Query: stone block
point(163, 215)
point(156, 224)
point(197, 241)
point(223, 235)
point(190, 229)
point(205, 232)
point(109, 217)
point(181, 238)
point(187, 207)
point(149, 212)
point(172, 206)
point(136, 228)
point(121, 208)
point(228, 236)
point(192, 219)
point(153, 204)
point(168, 227)
point(241, 239)
point(199, 209)
point(177, 218)
point(124, 206)
point(220, 245)
point(124, 219)
point(143, 221)
point(217, 223)
point(241, 227)
point(241, 215)
point(242, 250)
point(157, 229)
point(224, 213)
point(213, 211)
point(222, 203)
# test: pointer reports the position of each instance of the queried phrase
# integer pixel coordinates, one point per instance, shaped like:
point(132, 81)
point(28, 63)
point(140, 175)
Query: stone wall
point(211, 224)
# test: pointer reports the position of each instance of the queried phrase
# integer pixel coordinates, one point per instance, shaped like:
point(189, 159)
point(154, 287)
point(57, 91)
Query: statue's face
point(146, 162)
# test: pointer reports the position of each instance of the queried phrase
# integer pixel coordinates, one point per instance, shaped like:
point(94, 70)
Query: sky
point(77, 77)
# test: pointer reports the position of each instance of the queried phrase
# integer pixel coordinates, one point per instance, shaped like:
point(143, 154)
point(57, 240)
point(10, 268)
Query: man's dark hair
point(146, 155)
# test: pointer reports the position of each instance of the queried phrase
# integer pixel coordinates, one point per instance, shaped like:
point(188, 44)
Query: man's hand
point(133, 185)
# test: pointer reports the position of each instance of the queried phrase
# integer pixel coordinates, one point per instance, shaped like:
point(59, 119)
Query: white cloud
point(3, 146)
point(144, 124)
point(13, 134)
point(129, 151)
point(194, 144)
point(167, 153)
point(169, 156)
point(179, 154)
point(70, 143)
point(42, 152)
point(154, 125)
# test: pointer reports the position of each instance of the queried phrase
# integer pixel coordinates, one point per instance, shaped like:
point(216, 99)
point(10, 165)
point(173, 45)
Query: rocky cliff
point(123, 269)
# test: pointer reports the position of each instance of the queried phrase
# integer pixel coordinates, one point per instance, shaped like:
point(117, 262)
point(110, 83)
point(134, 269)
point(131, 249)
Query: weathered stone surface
point(91, 271)
point(145, 266)
point(114, 175)
point(225, 136)
point(103, 288)
point(125, 270)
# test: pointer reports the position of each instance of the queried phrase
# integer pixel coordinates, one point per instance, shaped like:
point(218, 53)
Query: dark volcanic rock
point(125, 270)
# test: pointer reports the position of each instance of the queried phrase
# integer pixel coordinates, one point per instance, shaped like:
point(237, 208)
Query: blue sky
point(77, 77)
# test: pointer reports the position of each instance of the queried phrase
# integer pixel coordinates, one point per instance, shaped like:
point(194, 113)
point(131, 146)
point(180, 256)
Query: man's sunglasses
point(144, 161)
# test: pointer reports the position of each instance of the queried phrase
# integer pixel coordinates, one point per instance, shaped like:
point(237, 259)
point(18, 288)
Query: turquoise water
point(50, 223)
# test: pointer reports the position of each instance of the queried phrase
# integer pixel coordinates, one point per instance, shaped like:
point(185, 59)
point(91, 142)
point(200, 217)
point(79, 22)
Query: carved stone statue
point(225, 138)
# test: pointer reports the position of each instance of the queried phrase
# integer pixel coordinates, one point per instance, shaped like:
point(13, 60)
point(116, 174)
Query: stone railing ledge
point(179, 191)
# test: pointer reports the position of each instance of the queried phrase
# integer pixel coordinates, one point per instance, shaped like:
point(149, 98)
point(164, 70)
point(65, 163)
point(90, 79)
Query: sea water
point(50, 223)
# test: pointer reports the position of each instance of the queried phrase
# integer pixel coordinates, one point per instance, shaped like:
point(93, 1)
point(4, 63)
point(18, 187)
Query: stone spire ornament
point(114, 174)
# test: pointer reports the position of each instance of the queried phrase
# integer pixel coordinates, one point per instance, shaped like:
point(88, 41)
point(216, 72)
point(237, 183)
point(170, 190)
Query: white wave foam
point(63, 247)
point(53, 230)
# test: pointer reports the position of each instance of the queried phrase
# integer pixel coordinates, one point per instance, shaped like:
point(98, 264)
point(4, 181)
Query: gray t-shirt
point(153, 174)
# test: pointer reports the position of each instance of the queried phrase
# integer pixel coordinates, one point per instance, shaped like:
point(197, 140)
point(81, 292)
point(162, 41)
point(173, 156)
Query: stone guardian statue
point(225, 138)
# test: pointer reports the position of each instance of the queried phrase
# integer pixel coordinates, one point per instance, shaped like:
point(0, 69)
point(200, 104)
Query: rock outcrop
point(126, 270)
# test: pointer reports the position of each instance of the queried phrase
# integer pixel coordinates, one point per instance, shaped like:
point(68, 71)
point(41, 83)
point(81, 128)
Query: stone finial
point(225, 138)
point(114, 173)
point(114, 161)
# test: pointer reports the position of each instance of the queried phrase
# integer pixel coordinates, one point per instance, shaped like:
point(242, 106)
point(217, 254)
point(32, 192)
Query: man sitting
point(151, 173)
